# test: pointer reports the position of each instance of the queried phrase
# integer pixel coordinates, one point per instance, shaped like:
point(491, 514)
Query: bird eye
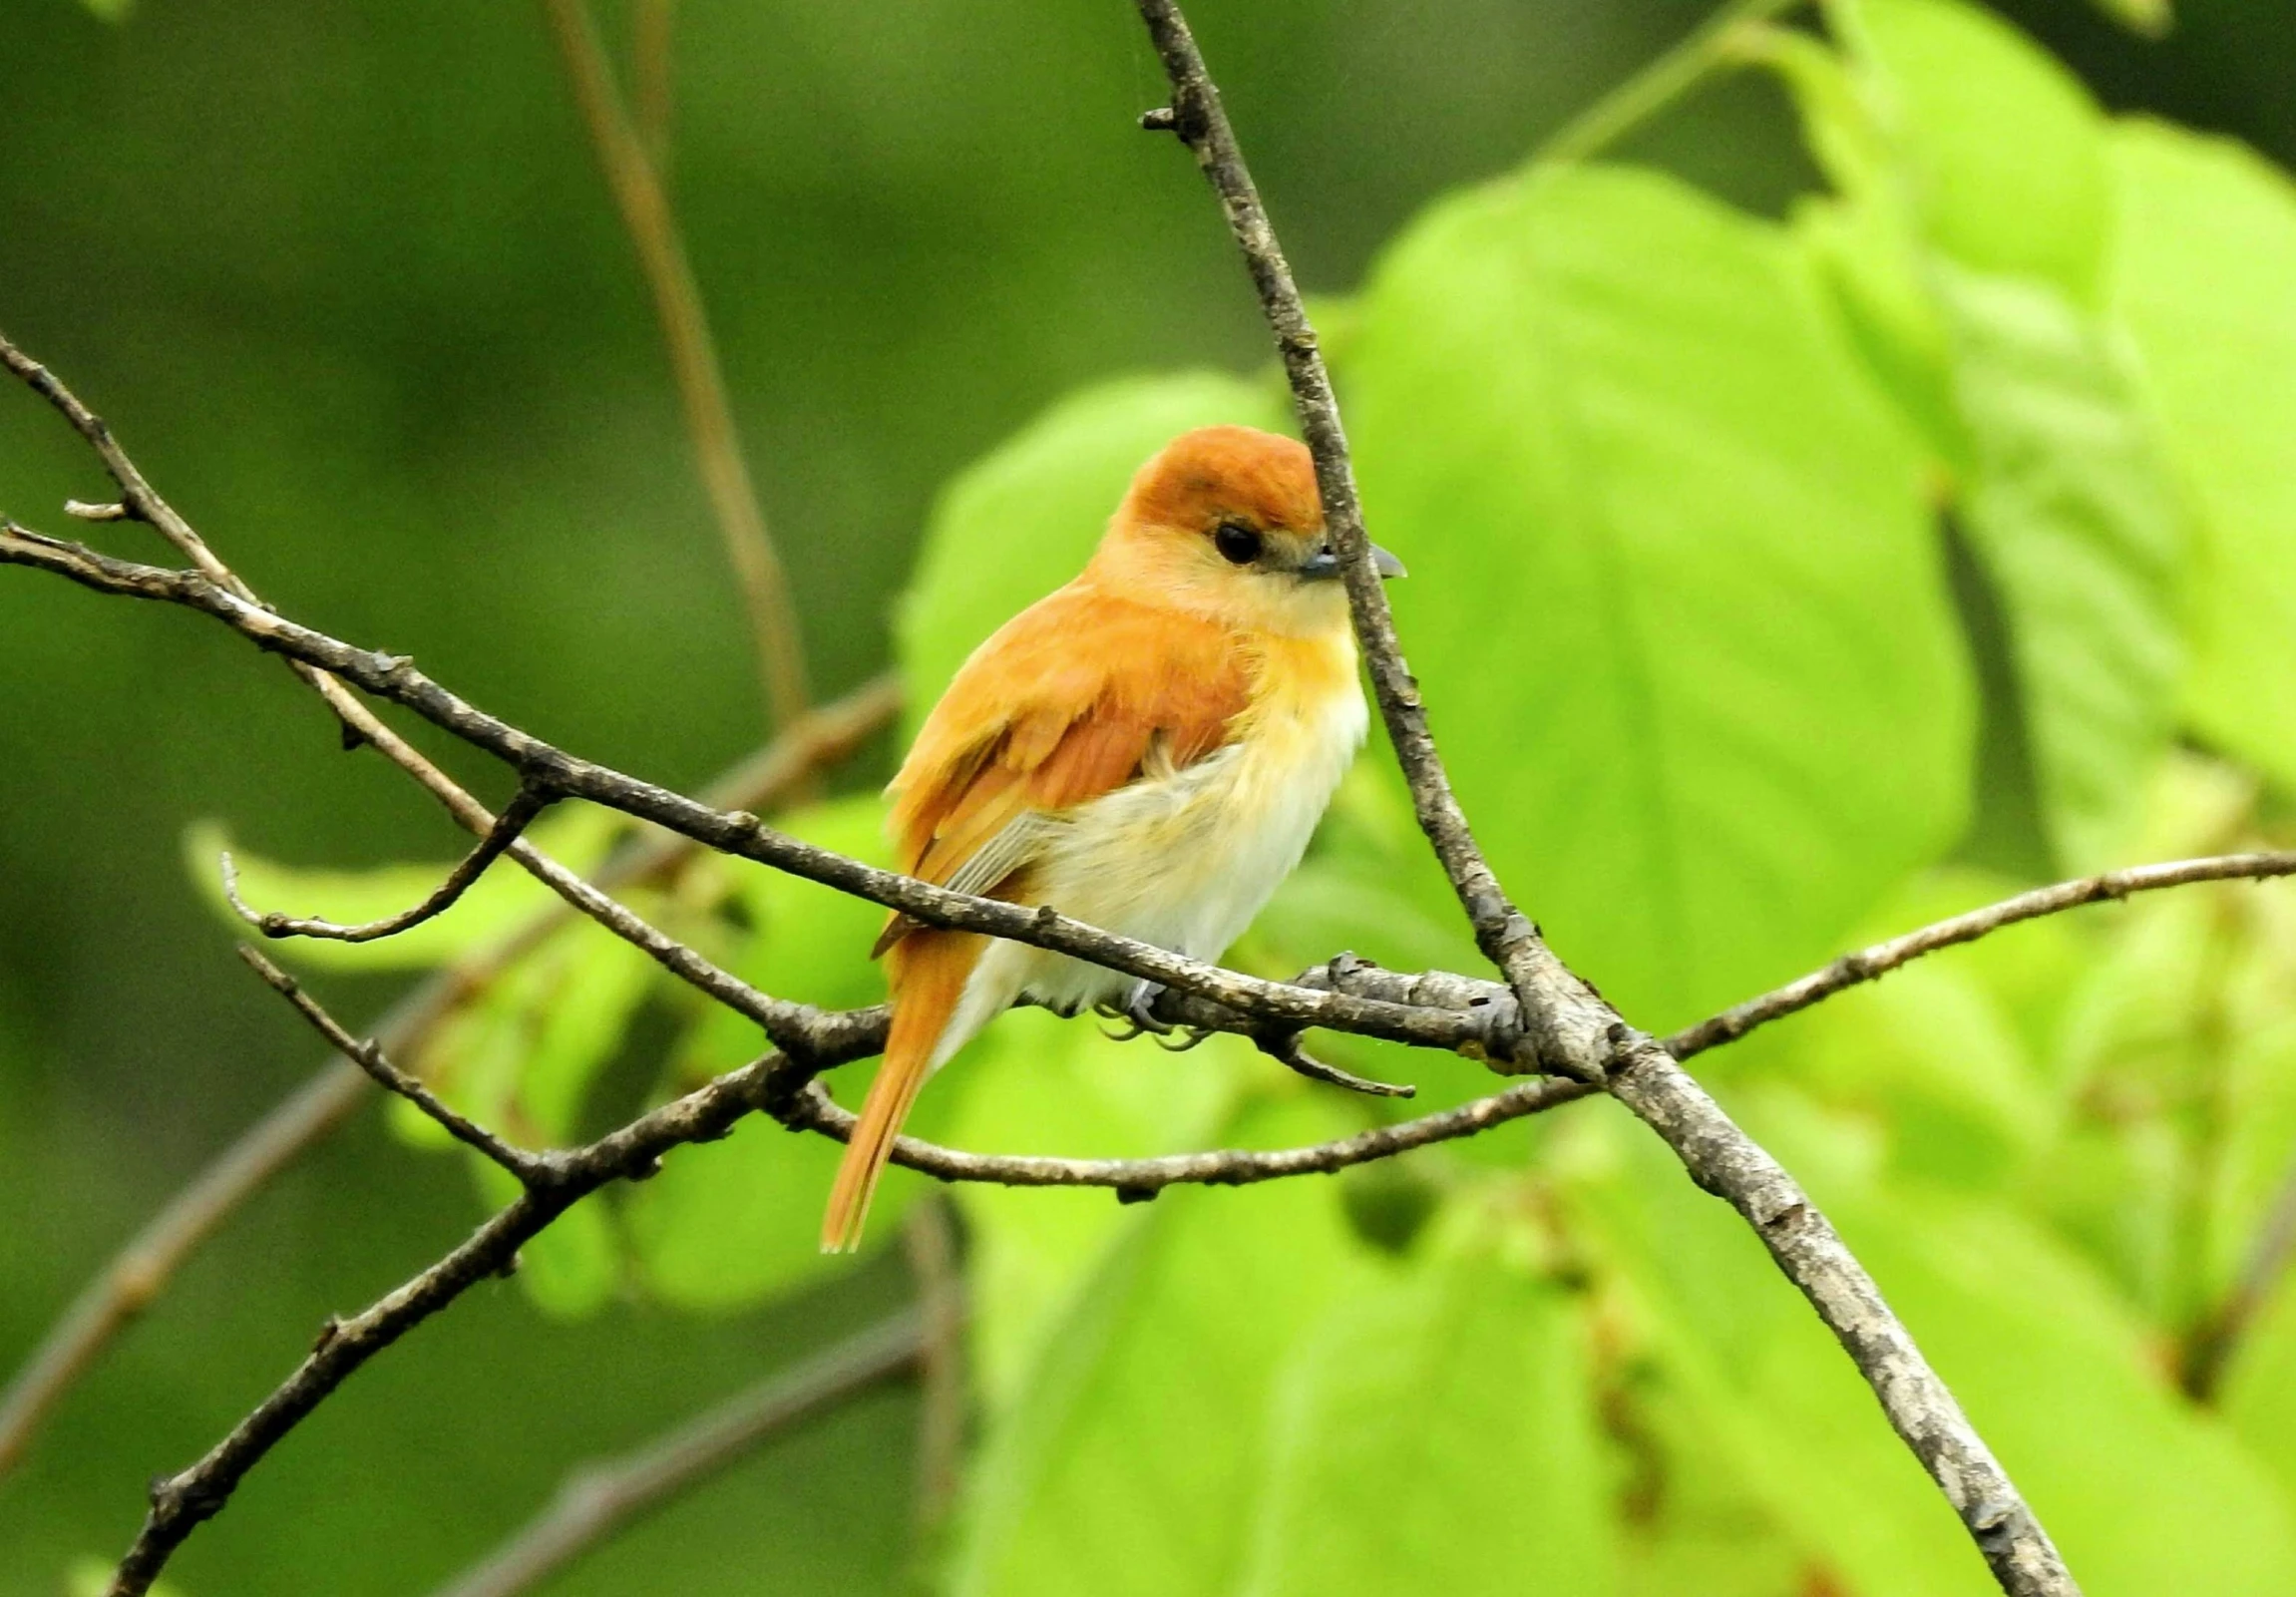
point(1238, 544)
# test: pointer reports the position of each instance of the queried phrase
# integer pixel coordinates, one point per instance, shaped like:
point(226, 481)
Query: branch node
point(1137, 1194)
point(1162, 119)
point(83, 510)
point(743, 824)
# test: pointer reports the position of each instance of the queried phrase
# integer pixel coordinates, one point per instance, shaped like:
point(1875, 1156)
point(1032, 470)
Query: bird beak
point(1325, 563)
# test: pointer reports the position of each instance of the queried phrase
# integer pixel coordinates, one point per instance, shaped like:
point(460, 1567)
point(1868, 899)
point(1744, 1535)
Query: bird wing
point(1066, 702)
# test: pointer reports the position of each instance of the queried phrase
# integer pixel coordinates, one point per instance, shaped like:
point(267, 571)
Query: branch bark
point(126, 1286)
point(1575, 1034)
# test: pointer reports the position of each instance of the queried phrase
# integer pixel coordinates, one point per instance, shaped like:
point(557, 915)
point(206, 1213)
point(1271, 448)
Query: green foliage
point(1966, 251)
point(1417, 1427)
point(1678, 485)
point(1606, 421)
point(2204, 282)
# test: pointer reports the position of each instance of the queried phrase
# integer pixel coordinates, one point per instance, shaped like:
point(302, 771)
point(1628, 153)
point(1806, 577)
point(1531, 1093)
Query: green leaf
point(2072, 508)
point(1674, 601)
point(1127, 1461)
point(2204, 279)
point(1034, 1083)
point(2001, 150)
point(736, 1222)
point(521, 1056)
point(576, 835)
point(1976, 327)
point(809, 943)
point(1021, 521)
point(1438, 1434)
point(2142, 1494)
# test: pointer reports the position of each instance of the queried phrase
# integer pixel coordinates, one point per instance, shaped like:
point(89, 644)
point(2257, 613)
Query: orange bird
point(1146, 749)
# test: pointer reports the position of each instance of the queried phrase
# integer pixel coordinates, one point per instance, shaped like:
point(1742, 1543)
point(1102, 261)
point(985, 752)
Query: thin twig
point(1133, 1179)
point(1575, 1034)
point(135, 1277)
point(783, 1088)
point(631, 171)
point(929, 1235)
point(395, 678)
point(1881, 958)
point(515, 818)
point(600, 1500)
point(529, 1168)
point(2216, 1338)
point(653, 50)
point(1657, 84)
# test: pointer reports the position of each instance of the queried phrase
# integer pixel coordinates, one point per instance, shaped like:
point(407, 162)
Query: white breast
point(1184, 859)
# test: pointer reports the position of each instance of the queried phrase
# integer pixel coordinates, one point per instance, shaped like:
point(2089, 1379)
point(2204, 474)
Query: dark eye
point(1238, 544)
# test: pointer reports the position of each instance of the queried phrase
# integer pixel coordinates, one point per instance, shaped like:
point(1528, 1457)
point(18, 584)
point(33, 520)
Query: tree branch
point(737, 832)
point(635, 179)
point(136, 1276)
point(515, 816)
point(529, 1168)
point(600, 1500)
point(782, 1087)
point(1869, 963)
point(1575, 1034)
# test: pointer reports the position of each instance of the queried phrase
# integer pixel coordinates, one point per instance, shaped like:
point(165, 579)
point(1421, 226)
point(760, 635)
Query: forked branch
point(1573, 1031)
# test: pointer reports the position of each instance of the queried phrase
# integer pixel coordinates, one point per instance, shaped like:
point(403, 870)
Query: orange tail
point(929, 970)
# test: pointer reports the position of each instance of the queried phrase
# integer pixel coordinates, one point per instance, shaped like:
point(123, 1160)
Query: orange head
point(1226, 521)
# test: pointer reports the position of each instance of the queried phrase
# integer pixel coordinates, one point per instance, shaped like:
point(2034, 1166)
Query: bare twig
point(631, 171)
point(1574, 1033)
point(127, 1284)
point(368, 1055)
point(1134, 1179)
point(929, 1237)
point(1881, 958)
point(2210, 1345)
point(515, 818)
point(1659, 85)
point(395, 678)
point(779, 1086)
point(602, 1499)
point(653, 50)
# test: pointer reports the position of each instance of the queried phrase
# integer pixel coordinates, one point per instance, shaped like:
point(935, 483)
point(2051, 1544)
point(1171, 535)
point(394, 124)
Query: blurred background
point(347, 281)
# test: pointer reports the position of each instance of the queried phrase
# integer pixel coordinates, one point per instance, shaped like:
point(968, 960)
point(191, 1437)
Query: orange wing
point(1064, 703)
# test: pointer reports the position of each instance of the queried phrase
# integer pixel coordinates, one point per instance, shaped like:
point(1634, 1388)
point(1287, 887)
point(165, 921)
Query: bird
point(1147, 749)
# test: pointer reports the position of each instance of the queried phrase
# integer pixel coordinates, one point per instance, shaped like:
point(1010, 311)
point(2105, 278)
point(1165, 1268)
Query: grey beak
point(1325, 563)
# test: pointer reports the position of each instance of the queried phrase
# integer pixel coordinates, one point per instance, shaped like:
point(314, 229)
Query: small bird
point(1147, 749)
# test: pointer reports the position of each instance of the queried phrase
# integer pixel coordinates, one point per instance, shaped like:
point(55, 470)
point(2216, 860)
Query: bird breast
point(1184, 859)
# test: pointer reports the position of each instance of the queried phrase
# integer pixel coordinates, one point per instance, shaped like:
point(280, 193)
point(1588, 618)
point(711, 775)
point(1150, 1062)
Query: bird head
point(1227, 522)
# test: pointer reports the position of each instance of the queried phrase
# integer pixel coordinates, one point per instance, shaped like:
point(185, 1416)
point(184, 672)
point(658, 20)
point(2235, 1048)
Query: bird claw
point(1139, 1011)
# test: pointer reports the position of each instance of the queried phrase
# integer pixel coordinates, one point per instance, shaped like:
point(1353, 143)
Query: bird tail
point(928, 971)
